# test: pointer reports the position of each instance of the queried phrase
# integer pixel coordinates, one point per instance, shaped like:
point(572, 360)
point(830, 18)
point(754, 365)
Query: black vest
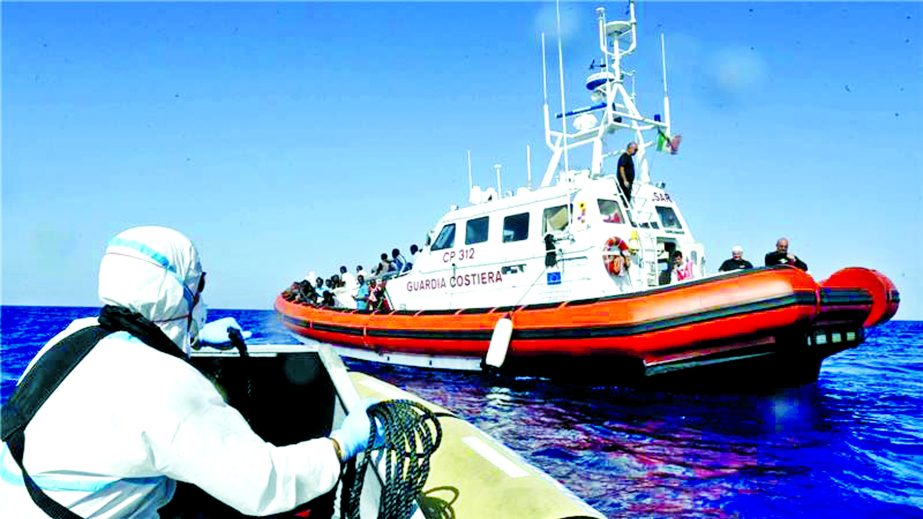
point(51, 369)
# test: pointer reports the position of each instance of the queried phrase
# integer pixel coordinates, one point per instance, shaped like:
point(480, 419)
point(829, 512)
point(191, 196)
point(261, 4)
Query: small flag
point(553, 278)
point(665, 143)
point(674, 144)
point(661, 141)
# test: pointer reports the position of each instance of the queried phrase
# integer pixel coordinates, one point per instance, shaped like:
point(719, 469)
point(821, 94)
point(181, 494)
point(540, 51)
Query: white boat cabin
point(548, 245)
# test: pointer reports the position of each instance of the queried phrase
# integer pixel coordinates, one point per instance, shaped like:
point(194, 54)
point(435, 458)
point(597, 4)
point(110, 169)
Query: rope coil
point(403, 436)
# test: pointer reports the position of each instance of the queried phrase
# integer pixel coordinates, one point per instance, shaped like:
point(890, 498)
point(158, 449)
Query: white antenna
point(557, 6)
point(499, 188)
point(544, 73)
point(666, 98)
point(528, 166)
point(545, 112)
point(470, 182)
point(663, 62)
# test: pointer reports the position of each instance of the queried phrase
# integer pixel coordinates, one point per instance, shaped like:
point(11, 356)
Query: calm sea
point(850, 445)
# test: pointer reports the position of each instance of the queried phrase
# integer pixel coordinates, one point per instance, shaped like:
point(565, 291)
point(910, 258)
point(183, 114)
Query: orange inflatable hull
point(778, 313)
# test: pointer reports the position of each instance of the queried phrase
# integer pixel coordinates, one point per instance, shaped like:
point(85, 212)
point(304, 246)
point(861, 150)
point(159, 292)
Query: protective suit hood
point(156, 272)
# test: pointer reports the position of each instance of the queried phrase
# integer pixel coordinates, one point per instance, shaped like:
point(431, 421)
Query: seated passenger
point(310, 294)
point(330, 286)
point(398, 262)
point(384, 266)
point(413, 257)
point(328, 299)
point(303, 291)
point(349, 281)
point(289, 293)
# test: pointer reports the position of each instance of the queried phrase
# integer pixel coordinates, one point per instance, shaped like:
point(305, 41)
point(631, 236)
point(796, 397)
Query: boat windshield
point(670, 221)
point(610, 211)
point(446, 238)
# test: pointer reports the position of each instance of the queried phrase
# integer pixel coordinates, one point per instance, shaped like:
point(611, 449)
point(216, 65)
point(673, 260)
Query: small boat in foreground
point(293, 393)
point(575, 279)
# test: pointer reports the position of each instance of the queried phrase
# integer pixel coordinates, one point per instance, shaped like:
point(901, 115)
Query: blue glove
point(353, 434)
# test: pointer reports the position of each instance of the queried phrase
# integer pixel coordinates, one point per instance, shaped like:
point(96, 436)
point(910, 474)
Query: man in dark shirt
point(737, 261)
point(781, 256)
point(626, 168)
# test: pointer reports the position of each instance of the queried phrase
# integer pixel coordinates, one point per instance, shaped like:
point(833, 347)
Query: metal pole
point(470, 182)
point(561, 77)
point(528, 166)
point(499, 186)
point(666, 98)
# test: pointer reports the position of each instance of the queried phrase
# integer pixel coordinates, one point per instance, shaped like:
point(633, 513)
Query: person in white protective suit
point(131, 420)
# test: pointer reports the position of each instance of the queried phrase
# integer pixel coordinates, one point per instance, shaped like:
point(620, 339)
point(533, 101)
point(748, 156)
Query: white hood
point(155, 271)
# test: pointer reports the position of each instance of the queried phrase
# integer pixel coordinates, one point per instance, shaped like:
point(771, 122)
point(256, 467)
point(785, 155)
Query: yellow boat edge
point(479, 477)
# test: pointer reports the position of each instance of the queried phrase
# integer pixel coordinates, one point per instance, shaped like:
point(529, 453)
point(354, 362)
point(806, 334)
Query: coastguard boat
point(575, 279)
point(452, 469)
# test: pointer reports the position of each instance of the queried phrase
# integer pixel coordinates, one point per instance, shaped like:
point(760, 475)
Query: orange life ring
point(613, 255)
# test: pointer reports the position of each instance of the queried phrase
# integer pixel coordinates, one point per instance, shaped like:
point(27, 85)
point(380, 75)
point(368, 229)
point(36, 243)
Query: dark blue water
point(850, 445)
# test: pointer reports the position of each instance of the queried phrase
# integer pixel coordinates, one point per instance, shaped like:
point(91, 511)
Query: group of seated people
point(368, 296)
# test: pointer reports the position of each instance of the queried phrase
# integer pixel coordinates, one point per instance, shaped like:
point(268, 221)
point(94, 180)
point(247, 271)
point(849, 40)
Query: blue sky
point(290, 137)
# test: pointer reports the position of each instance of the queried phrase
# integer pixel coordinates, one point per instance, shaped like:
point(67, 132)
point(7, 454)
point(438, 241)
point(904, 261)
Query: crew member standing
point(682, 269)
point(626, 169)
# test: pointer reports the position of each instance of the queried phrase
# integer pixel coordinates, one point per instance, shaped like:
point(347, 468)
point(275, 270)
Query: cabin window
point(476, 230)
point(446, 238)
point(610, 211)
point(516, 227)
point(670, 221)
point(554, 219)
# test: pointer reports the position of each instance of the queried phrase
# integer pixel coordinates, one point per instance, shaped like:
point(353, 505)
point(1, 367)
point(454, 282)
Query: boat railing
point(641, 210)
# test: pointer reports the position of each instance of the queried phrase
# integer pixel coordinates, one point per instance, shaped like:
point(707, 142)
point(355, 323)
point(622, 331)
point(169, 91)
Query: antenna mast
point(613, 96)
point(470, 182)
point(499, 186)
point(666, 98)
point(528, 166)
point(557, 7)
